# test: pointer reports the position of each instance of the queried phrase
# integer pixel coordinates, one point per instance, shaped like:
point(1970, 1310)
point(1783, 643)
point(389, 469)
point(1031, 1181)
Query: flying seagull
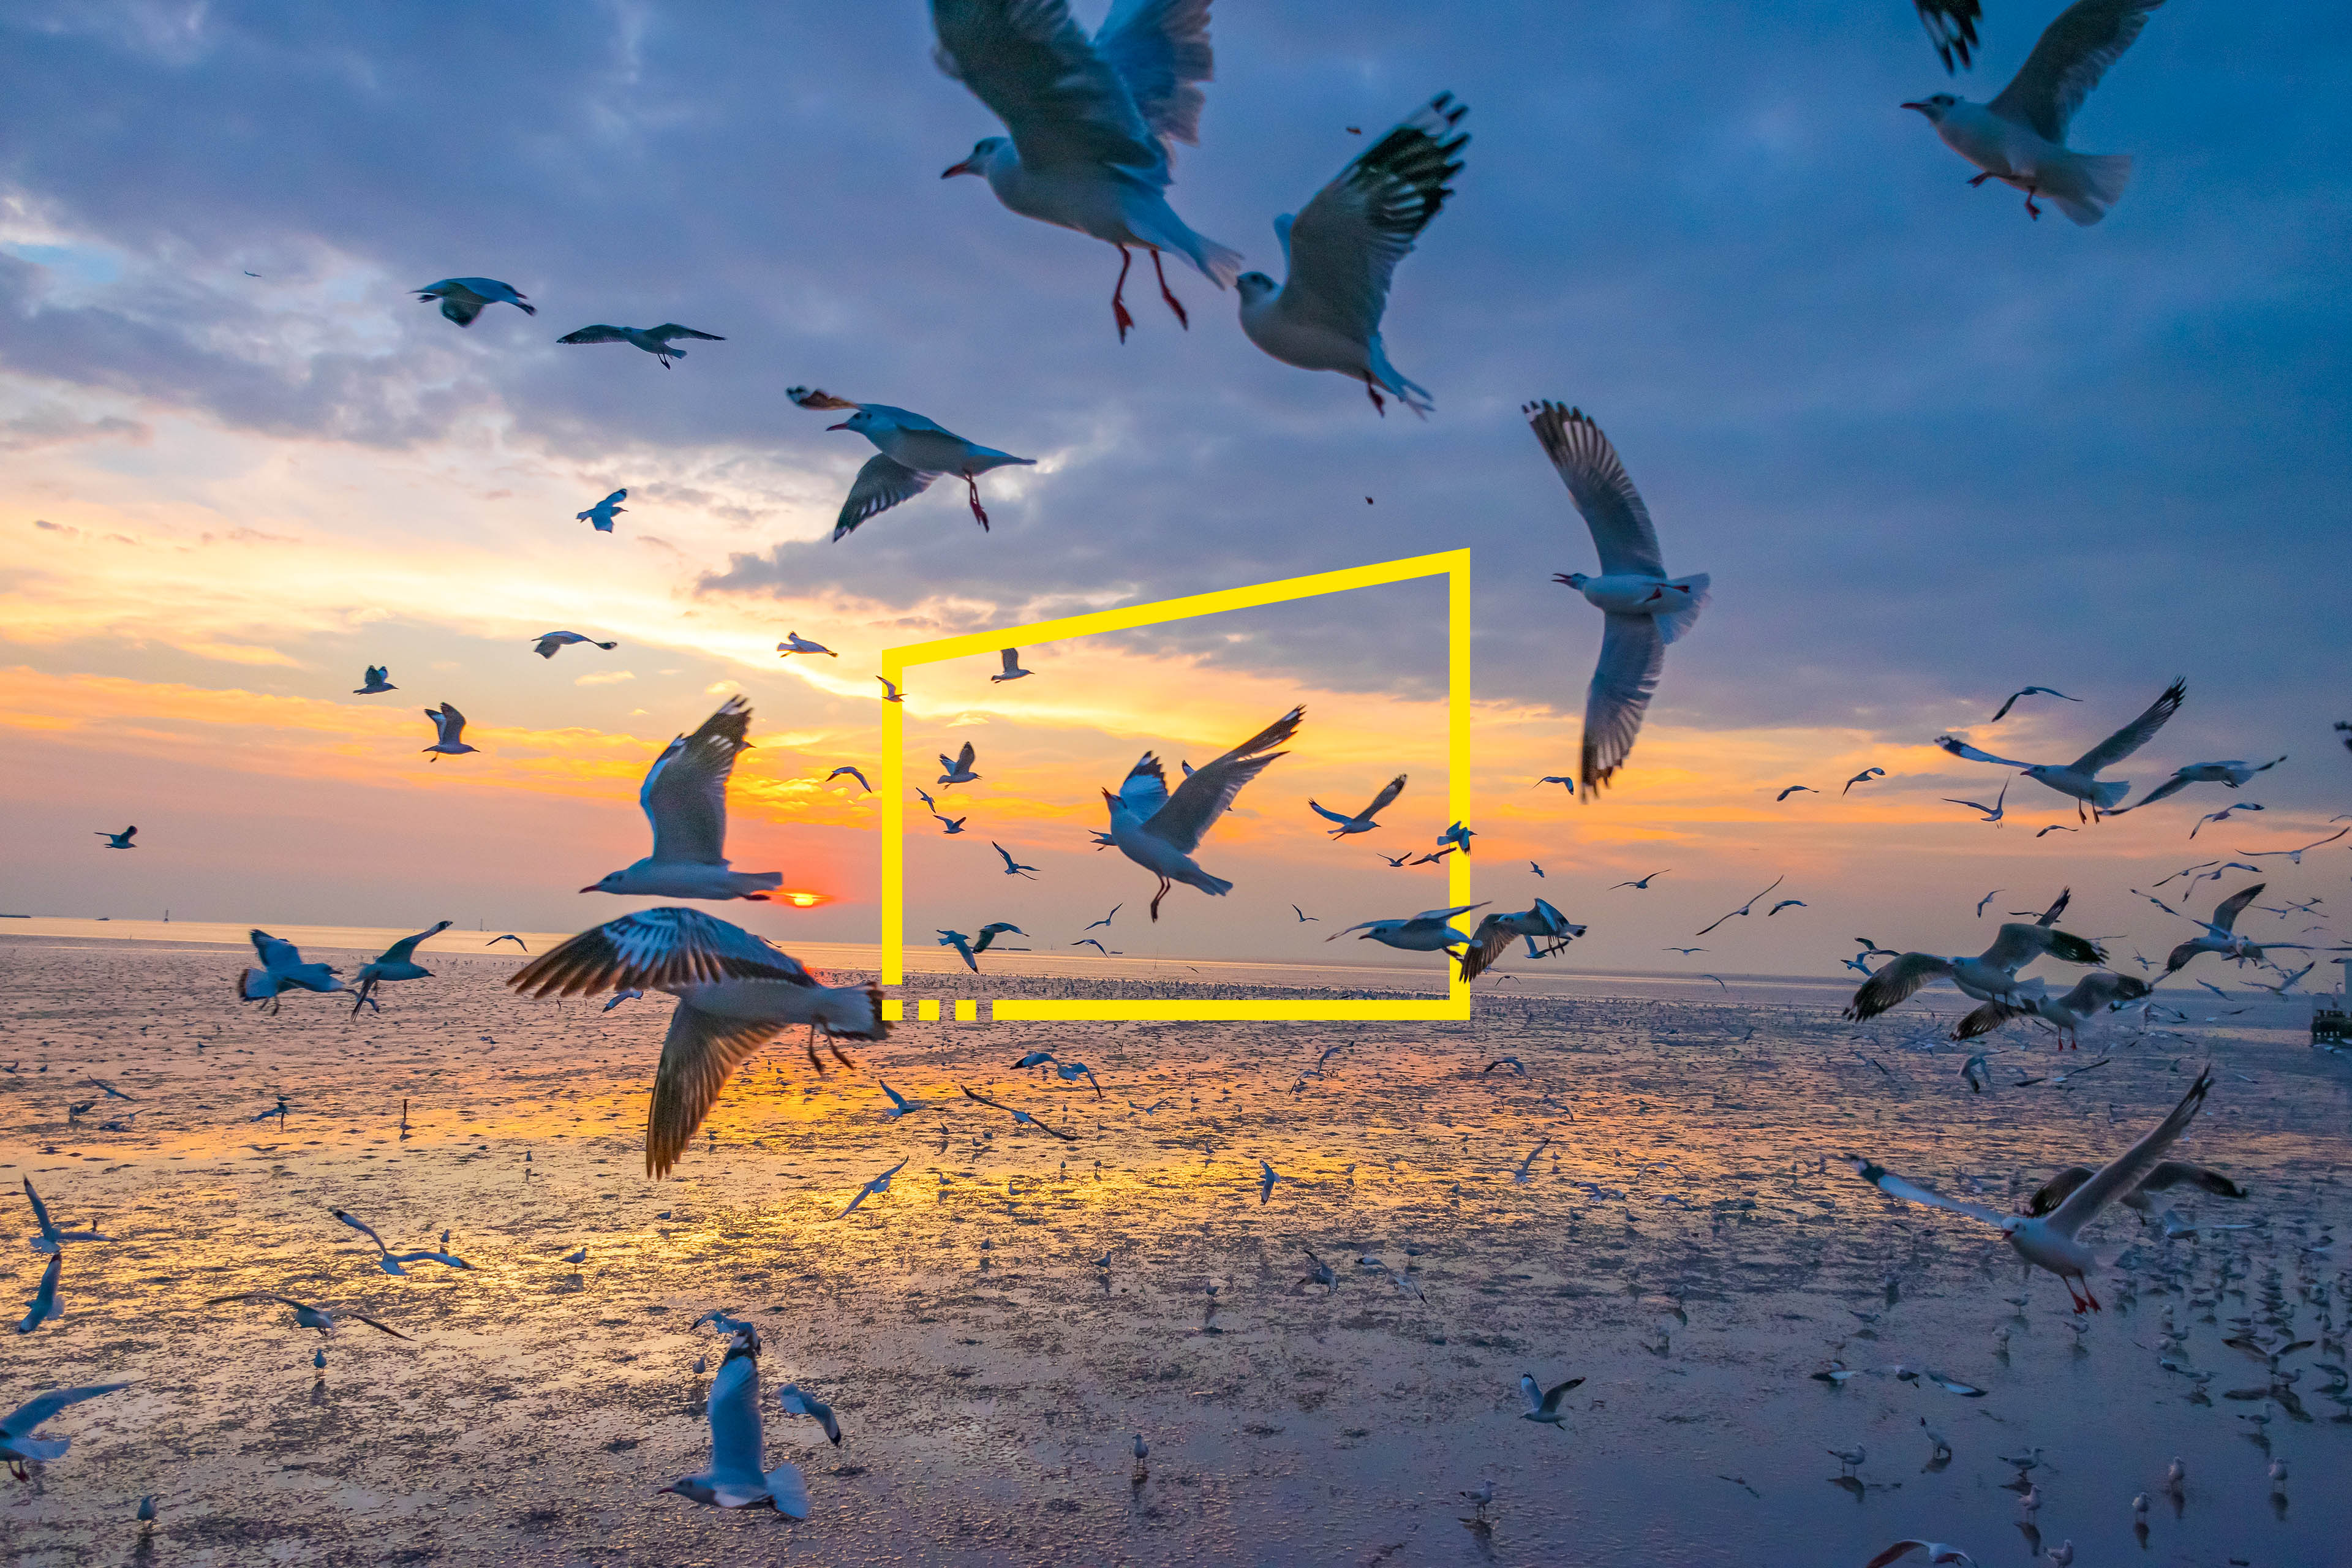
point(552, 643)
point(736, 991)
point(2220, 935)
point(463, 298)
point(2051, 1242)
point(797, 1401)
point(1989, 976)
point(2097, 992)
point(1992, 813)
point(118, 840)
point(2079, 780)
point(601, 515)
point(282, 970)
point(2163, 1176)
point(448, 733)
point(2027, 691)
point(1791, 790)
point(19, 1447)
point(2020, 137)
point(1091, 121)
point(397, 961)
point(874, 1188)
point(325, 1319)
point(911, 452)
point(1643, 884)
point(509, 937)
point(1646, 609)
point(958, 767)
point(374, 682)
point(1012, 670)
point(2233, 774)
point(1159, 831)
point(1012, 868)
point(1742, 909)
point(794, 642)
point(2296, 854)
point(684, 797)
point(1543, 1403)
point(1303, 916)
point(1492, 937)
point(51, 1238)
point(655, 340)
point(737, 1475)
point(1340, 252)
point(1863, 777)
point(1424, 932)
point(1020, 1118)
point(1362, 821)
point(853, 772)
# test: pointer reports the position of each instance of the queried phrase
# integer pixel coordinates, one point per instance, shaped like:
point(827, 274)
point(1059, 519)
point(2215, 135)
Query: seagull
point(2050, 1242)
point(113, 1093)
point(737, 1475)
point(397, 961)
point(963, 945)
point(1091, 121)
point(604, 511)
point(899, 1104)
point(282, 970)
point(1643, 884)
point(1159, 831)
point(1395, 860)
point(51, 1239)
point(1492, 937)
point(1339, 253)
point(853, 772)
point(19, 1447)
point(1303, 916)
point(1267, 1176)
point(325, 1319)
point(374, 682)
point(874, 1188)
point(1937, 1551)
point(1104, 923)
point(1744, 908)
point(1020, 1117)
point(2020, 137)
point(1686, 952)
point(2220, 815)
point(1785, 904)
point(1537, 869)
point(991, 931)
point(794, 642)
point(119, 840)
point(1457, 836)
point(655, 340)
point(1866, 774)
point(736, 991)
point(1646, 609)
point(1562, 780)
point(958, 767)
point(2233, 774)
point(2104, 991)
point(2219, 935)
point(1437, 859)
point(2296, 855)
point(1362, 821)
point(911, 452)
point(797, 1401)
point(2029, 691)
point(549, 643)
point(2079, 779)
point(1089, 942)
point(1424, 932)
point(1012, 670)
point(1012, 868)
point(1543, 1403)
point(1991, 813)
point(684, 797)
point(1791, 790)
point(463, 298)
point(1990, 976)
point(2164, 1175)
point(950, 825)
point(448, 733)
point(41, 1306)
point(509, 936)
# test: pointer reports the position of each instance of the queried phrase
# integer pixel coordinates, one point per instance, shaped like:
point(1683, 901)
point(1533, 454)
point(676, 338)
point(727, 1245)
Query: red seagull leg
point(1173, 303)
point(1119, 306)
point(977, 510)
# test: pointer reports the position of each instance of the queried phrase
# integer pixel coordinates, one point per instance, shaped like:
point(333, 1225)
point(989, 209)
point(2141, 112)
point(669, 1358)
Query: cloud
point(606, 677)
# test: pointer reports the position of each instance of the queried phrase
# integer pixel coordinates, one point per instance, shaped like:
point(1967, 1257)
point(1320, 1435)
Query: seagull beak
point(952, 169)
point(1920, 107)
point(590, 887)
point(844, 425)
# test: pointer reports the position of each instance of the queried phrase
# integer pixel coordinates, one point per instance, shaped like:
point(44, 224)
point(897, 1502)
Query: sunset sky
point(1929, 450)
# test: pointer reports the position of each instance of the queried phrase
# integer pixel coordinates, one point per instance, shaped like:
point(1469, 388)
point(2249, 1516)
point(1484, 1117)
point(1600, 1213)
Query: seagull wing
point(1960, 748)
point(1327, 814)
point(2074, 52)
point(698, 1054)
point(964, 759)
point(2170, 1174)
point(2128, 1170)
point(1345, 244)
point(880, 485)
point(1952, 27)
point(2142, 729)
point(2226, 912)
point(1160, 49)
point(595, 334)
point(671, 331)
point(1985, 1019)
point(40, 1214)
point(371, 1322)
point(655, 950)
point(1068, 110)
point(1487, 943)
point(2057, 1189)
point(737, 1439)
point(1011, 656)
point(1145, 789)
point(1389, 792)
point(2164, 791)
point(1633, 657)
point(1596, 480)
point(1199, 800)
point(27, 1417)
point(685, 792)
point(1895, 1186)
point(359, 1226)
point(404, 950)
point(1895, 982)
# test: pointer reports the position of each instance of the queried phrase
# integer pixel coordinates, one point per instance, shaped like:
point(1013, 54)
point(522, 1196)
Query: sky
point(1929, 450)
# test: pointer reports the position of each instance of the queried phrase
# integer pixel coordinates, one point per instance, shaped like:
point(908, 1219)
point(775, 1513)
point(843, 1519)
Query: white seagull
point(1424, 932)
point(735, 990)
point(51, 1238)
point(1340, 252)
point(282, 970)
point(738, 1477)
point(2220, 933)
point(2079, 780)
point(794, 642)
point(1012, 670)
point(1989, 976)
point(1543, 1403)
point(911, 451)
point(463, 298)
point(2010, 701)
point(19, 1447)
point(550, 643)
point(325, 1319)
point(874, 1188)
point(41, 1306)
point(1492, 937)
point(119, 840)
point(797, 1401)
point(448, 733)
point(1090, 121)
point(685, 798)
point(1362, 821)
point(397, 961)
point(1647, 610)
point(655, 340)
point(602, 514)
point(958, 767)
point(375, 682)
point(2051, 1242)
point(2100, 992)
point(2233, 774)
point(1159, 831)
point(2020, 137)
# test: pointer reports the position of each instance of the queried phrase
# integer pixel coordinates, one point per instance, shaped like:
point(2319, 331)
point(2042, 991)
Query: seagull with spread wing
point(1012, 670)
point(376, 681)
point(463, 298)
point(910, 452)
point(1424, 932)
point(1020, 1118)
point(1646, 609)
point(2100, 992)
point(2233, 774)
point(51, 1238)
point(448, 733)
point(1362, 821)
point(2220, 935)
point(736, 991)
point(2079, 780)
point(794, 642)
point(600, 516)
point(549, 644)
point(1492, 937)
point(1091, 121)
point(1989, 976)
point(1159, 831)
point(397, 961)
point(2020, 137)
point(118, 840)
point(958, 767)
point(1013, 868)
point(1742, 909)
point(1340, 252)
point(282, 970)
point(2002, 713)
point(19, 1447)
point(2052, 1241)
point(684, 797)
point(658, 341)
point(737, 1475)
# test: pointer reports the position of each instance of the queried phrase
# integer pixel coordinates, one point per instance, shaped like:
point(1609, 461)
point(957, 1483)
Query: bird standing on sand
point(1159, 831)
point(684, 797)
point(655, 340)
point(911, 452)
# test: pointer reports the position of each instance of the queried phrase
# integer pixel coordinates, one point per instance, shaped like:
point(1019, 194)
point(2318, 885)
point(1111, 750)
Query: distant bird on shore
point(550, 643)
point(794, 642)
point(911, 451)
point(1342, 249)
point(375, 682)
point(1012, 670)
point(1646, 609)
point(1361, 822)
point(282, 970)
point(603, 513)
point(739, 1476)
point(1159, 831)
point(463, 298)
point(1543, 1403)
point(684, 797)
point(2020, 137)
point(118, 840)
point(397, 961)
point(448, 733)
point(2079, 780)
point(655, 340)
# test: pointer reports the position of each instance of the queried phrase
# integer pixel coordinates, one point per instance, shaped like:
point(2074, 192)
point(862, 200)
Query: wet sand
point(1675, 1244)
